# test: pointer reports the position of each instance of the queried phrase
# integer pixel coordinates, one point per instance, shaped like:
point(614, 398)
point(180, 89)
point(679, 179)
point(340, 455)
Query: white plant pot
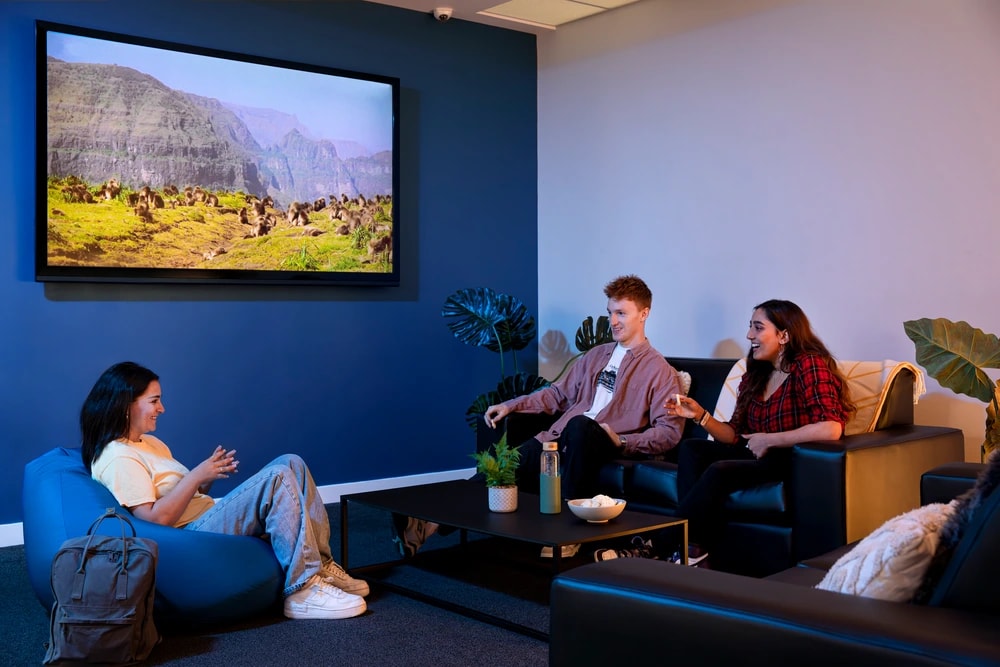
point(502, 498)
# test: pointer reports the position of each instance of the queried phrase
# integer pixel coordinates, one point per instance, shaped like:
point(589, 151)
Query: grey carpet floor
point(396, 630)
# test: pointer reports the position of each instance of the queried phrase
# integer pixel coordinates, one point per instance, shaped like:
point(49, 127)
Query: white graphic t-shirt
point(606, 382)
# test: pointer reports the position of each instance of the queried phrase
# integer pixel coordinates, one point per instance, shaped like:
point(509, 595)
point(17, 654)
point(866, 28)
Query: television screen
point(162, 162)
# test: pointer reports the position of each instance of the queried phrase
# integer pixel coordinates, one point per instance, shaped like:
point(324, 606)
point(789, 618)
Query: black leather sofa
point(839, 491)
point(647, 611)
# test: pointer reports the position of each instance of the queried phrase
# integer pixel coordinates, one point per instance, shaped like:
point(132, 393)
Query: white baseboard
point(12, 534)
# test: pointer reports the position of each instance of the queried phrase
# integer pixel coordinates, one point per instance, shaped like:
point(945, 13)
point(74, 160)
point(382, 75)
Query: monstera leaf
point(499, 322)
point(954, 354)
point(587, 338)
point(510, 387)
point(483, 317)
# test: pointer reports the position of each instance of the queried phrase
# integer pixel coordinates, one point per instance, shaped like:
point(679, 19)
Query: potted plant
point(499, 322)
point(955, 354)
point(499, 468)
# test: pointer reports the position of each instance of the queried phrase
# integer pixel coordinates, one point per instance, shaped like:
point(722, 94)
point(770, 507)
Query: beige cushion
point(890, 564)
point(727, 395)
point(869, 382)
point(685, 379)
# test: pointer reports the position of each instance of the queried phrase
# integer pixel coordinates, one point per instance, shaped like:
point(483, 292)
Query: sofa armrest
point(843, 490)
point(519, 427)
point(947, 482)
point(716, 618)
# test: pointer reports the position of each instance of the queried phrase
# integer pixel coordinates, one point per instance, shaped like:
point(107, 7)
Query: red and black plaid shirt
point(810, 394)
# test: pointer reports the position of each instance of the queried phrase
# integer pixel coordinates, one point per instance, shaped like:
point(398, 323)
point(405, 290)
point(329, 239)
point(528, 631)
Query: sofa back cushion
point(969, 581)
point(707, 378)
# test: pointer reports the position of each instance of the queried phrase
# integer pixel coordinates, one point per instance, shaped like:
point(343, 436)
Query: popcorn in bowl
point(598, 509)
point(600, 500)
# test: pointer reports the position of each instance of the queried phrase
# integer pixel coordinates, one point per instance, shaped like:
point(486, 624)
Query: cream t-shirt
point(143, 471)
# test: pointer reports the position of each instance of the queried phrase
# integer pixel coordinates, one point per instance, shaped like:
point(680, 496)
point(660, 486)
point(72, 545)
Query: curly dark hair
point(629, 287)
point(787, 316)
point(104, 415)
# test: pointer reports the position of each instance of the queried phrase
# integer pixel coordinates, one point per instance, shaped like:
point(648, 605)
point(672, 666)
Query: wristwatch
point(623, 441)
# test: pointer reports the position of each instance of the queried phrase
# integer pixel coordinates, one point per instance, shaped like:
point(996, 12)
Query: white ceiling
point(534, 16)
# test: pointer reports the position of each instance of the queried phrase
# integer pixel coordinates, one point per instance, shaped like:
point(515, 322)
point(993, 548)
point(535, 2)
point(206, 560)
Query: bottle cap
point(550, 446)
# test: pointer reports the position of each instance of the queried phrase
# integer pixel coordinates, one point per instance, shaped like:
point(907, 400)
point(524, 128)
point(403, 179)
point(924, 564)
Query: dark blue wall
point(365, 383)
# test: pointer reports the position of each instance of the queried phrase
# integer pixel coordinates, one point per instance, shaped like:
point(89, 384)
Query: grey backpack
point(103, 588)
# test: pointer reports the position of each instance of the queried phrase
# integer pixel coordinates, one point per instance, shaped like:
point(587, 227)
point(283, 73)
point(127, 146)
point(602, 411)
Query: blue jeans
point(280, 503)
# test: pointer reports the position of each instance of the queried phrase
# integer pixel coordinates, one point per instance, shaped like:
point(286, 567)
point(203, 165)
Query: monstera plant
point(501, 323)
point(588, 337)
point(955, 354)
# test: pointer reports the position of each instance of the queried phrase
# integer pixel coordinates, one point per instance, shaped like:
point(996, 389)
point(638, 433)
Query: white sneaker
point(335, 576)
point(568, 551)
point(318, 599)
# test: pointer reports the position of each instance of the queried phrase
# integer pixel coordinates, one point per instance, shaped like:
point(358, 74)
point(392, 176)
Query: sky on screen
point(332, 107)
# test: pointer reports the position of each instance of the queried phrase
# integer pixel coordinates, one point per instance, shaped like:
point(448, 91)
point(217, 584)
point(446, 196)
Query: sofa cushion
point(890, 563)
point(869, 383)
point(726, 403)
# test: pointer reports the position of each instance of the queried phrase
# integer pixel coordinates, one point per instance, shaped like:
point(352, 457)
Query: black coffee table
point(462, 504)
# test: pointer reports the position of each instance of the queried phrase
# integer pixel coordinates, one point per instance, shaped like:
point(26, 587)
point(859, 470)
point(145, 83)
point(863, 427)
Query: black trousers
point(708, 471)
point(584, 447)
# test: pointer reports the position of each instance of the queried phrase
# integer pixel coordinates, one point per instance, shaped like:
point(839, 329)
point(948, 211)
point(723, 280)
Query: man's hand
point(611, 434)
point(495, 413)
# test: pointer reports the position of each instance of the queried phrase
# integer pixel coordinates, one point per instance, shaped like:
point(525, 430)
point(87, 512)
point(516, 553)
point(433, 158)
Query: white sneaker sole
point(299, 613)
point(692, 562)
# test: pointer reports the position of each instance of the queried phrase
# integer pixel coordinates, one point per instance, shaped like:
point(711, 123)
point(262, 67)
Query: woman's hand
point(220, 465)
point(759, 443)
point(683, 406)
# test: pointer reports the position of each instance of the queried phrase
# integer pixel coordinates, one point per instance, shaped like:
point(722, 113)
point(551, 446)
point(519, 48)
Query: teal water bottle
point(549, 486)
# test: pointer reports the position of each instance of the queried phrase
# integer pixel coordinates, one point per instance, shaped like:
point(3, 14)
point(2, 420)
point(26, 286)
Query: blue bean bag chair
point(200, 578)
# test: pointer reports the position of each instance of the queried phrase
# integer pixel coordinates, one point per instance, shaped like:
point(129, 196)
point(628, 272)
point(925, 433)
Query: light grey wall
point(844, 154)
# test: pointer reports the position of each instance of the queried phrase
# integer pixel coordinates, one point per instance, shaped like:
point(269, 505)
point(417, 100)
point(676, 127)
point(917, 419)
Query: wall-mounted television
point(162, 162)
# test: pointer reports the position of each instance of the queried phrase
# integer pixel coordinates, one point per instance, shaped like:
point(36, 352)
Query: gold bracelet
point(704, 419)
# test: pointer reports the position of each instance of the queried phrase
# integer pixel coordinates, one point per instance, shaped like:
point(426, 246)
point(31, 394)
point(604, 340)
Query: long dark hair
point(786, 316)
point(104, 415)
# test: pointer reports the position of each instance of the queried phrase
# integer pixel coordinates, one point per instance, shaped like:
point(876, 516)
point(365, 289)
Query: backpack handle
point(123, 520)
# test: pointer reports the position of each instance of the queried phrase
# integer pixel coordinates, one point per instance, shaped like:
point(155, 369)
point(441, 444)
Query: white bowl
point(596, 514)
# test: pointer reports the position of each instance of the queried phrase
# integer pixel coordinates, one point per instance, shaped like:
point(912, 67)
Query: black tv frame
point(89, 264)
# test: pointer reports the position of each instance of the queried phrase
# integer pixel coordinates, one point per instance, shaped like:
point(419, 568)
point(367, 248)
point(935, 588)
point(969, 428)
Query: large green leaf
point(587, 338)
point(954, 354)
point(992, 439)
point(483, 317)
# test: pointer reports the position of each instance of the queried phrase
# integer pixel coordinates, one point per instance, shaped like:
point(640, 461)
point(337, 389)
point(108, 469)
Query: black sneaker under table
point(640, 549)
point(409, 533)
point(695, 556)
